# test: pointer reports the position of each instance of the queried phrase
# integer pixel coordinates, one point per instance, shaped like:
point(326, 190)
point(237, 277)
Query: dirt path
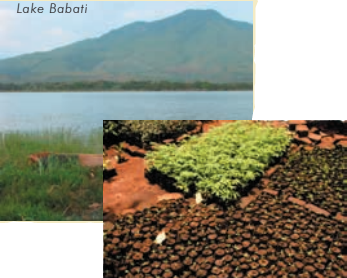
point(130, 191)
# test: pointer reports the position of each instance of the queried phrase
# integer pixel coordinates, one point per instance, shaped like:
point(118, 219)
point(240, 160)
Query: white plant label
point(160, 237)
point(198, 198)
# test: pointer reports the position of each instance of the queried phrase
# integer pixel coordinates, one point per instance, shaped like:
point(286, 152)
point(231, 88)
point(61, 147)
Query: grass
point(54, 192)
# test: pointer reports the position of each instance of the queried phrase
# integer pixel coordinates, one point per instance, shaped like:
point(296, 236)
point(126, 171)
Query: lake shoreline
point(112, 86)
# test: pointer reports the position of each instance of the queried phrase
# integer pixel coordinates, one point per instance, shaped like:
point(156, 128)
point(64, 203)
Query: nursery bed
point(282, 229)
point(130, 190)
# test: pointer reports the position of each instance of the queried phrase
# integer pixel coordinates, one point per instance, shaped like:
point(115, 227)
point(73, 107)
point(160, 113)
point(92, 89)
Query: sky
point(26, 33)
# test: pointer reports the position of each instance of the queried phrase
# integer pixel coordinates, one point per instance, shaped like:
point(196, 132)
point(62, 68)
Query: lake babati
point(28, 111)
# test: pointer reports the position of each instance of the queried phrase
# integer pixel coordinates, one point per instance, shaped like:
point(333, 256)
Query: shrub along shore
point(52, 192)
point(88, 86)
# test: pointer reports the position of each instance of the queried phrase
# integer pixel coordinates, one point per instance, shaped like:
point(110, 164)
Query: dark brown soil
point(271, 236)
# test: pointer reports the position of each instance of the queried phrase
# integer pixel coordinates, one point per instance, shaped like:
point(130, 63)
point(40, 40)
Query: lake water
point(33, 111)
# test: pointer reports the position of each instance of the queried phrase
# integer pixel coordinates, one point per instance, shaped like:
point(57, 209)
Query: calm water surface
point(30, 111)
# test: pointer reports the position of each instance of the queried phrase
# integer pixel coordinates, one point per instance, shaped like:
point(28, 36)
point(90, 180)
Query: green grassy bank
point(57, 191)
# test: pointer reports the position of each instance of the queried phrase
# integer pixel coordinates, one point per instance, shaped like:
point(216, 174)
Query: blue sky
point(26, 33)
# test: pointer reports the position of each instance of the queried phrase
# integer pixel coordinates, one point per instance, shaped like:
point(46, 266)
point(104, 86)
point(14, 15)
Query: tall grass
point(30, 191)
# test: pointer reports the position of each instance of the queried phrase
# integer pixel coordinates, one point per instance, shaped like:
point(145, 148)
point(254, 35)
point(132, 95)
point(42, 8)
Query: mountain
point(195, 45)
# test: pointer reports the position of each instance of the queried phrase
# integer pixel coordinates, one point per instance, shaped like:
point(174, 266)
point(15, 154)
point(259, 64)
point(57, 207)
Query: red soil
point(35, 158)
point(88, 160)
point(207, 125)
point(130, 190)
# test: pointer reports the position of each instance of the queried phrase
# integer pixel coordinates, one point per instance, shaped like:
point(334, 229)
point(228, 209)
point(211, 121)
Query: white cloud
point(136, 15)
point(8, 25)
point(56, 31)
point(130, 14)
point(25, 34)
point(55, 37)
point(7, 21)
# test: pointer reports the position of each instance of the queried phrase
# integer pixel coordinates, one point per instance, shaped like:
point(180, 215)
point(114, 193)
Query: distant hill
point(195, 45)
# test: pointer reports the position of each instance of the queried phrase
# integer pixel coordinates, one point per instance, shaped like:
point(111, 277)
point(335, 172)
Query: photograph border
point(254, 70)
